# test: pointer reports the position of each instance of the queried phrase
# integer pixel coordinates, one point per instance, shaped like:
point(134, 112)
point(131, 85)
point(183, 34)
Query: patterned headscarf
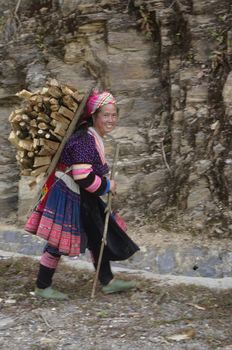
point(97, 100)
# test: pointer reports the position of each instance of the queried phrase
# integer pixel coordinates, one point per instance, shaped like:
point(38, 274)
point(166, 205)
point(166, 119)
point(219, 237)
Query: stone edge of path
point(171, 280)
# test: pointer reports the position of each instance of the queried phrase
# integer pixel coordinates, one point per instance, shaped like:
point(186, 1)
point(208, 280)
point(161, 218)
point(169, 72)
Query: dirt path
point(152, 317)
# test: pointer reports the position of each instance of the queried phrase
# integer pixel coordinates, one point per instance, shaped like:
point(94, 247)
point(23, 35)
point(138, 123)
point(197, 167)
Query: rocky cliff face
point(169, 65)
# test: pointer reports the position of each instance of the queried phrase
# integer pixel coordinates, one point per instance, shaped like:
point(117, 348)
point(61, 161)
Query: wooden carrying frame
point(69, 132)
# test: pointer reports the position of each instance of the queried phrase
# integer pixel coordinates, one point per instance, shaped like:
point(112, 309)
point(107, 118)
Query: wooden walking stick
point(108, 211)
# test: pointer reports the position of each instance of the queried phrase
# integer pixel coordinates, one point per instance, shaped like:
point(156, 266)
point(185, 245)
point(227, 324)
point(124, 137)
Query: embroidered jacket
point(85, 154)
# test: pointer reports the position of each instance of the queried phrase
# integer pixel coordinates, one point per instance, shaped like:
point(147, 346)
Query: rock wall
point(169, 65)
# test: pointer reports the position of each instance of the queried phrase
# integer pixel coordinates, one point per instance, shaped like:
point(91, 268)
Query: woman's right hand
point(113, 186)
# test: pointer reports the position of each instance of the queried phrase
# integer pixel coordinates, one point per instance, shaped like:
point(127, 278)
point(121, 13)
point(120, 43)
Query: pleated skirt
point(58, 220)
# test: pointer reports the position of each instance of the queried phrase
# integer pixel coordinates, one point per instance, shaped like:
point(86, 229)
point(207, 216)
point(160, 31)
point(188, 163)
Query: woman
point(70, 215)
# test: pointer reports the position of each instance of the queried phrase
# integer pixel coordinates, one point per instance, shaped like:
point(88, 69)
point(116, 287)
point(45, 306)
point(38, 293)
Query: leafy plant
point(146, 22)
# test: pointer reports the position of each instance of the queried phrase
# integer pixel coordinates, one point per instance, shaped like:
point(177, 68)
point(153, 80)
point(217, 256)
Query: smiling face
point(105, 119)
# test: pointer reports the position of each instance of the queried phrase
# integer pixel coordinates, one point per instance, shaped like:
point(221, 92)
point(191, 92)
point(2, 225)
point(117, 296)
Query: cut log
point(59, 123)
point(24, 94)
point(66, 112)
point(11, 116)
point(46, 151)
point(41, 133)
point(44, 91)
point(36, 142)
point(35, 99)
point(33, 115)
point(22, 134)
point(54, 101)
point(54, 108)
point(54, 136)
point(46, 102)
point(26, 144)
point(39, 170)
point(60, 130)
point(28, 109)
point(19, 111)
point(42, 117)
point(50, 144)
point(69, 102)
point(33, 132)
point(30, 154)
point(43, 126)
point(53, 82)
point(33, 123)
point(54, 104)
point(26, 172)
point(41, 161)
point(67, 90)
point(77, 97)
point(23, 125)
point(16, 127)
point(60, 118)
point(46, 98)
point(17, 118)
point(51, 136)
point(26, 163)
point(54, 91)
point(36, 108)
point(13, 138)
point(22, 153)
point(25, 118)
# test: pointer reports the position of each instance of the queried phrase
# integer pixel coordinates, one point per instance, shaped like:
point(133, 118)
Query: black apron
point(119, 245)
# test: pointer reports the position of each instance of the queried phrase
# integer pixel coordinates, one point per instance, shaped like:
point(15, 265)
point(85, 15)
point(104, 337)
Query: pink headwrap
point(97, 100)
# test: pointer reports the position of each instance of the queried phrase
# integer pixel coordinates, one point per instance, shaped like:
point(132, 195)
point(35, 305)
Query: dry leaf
point(188, 334)
point(198, 307)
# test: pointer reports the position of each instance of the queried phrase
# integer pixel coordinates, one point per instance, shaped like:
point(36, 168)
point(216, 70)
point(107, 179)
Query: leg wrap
point(44, 278)
point(49, 260)
point(48, 264)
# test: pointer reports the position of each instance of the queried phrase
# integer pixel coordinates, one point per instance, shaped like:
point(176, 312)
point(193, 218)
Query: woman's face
point(105, 120)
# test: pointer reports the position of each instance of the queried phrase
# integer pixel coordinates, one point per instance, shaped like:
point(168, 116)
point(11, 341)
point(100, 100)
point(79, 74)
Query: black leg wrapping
point(44, 278)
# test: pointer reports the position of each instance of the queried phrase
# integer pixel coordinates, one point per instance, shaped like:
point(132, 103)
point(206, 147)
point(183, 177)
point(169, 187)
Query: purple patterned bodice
point(81, 149)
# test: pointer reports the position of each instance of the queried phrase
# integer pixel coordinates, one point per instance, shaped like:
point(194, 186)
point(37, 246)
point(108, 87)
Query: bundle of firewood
point(39, 126)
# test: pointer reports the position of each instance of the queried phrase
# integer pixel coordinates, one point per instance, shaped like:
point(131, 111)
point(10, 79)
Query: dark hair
point(86, 121)
point(99, 109)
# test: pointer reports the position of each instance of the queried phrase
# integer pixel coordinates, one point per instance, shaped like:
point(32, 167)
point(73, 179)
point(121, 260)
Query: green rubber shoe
point(117, 285)
point(50, 293)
